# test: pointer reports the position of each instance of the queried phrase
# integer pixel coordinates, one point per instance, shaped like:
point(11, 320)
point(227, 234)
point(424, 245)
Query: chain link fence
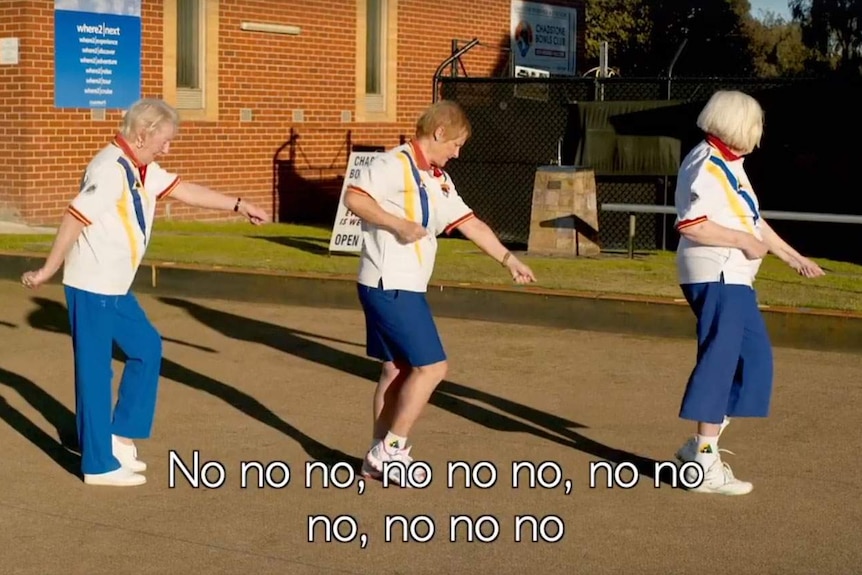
point(520, 124)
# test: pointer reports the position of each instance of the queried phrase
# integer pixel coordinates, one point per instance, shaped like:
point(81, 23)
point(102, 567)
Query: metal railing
point(633, 209)
point(456, 55)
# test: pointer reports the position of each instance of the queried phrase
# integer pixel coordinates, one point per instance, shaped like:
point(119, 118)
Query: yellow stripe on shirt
point(411, 198)
point(126, 219)
point(732, 197)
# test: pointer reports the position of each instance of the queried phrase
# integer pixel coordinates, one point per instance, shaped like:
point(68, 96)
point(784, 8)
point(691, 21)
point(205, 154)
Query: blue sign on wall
point(97, 53)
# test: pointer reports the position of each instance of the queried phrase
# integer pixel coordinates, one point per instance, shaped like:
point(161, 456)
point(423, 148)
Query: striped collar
point(723, 149)
point(416, 152)
point(121, 143)
point(422, 162)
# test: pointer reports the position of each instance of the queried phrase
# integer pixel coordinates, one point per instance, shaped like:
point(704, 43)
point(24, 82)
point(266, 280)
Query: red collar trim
point(421, 161)
point(722, 148)
point(121, 142)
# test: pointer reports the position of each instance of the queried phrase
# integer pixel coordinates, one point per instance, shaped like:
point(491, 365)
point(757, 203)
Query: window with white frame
point(376, 33)
point(191, 53)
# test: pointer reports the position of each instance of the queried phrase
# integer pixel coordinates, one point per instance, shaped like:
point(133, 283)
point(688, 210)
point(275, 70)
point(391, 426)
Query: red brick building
point(271, 116)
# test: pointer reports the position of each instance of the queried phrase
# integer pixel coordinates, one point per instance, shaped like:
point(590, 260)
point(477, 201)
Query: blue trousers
point(399, 326)
point(734, 370)
point(97, 322)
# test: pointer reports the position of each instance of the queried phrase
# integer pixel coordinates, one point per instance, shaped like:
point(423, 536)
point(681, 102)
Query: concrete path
point(286, 385)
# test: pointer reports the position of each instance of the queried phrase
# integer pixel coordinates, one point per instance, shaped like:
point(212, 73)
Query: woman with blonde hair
point(100, 244)
point(405, 200)
point(724, 239)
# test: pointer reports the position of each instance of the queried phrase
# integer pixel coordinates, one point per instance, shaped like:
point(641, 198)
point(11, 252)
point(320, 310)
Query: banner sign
point(347, 229)
point(544, 37)
point(97, 53)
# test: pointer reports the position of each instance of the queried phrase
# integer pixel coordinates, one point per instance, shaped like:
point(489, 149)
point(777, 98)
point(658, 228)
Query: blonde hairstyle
point(733, 117)
point(444, 114)
point(147, 115)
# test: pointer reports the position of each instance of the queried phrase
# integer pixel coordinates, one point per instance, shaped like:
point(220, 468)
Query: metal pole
point(453, 68)
point(673, 63)
point(603, 69)
point(767, 214)
point(664, 220)
point(446, 62)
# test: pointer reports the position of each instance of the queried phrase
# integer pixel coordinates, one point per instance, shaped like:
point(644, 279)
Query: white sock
point(707, 451)
point(393, 442)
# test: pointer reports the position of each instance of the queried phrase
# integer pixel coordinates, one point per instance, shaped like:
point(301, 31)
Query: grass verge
point(304, 249)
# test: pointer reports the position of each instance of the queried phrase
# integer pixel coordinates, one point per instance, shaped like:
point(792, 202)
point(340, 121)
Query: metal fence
point(520, 124)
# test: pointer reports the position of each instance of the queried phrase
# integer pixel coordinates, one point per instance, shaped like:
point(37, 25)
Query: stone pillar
point(564, 219)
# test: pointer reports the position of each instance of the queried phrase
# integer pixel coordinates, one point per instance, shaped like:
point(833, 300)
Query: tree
point(623, 24)
point(832, 29)
point(644, 36)
point(717, 42)
point(777, 46)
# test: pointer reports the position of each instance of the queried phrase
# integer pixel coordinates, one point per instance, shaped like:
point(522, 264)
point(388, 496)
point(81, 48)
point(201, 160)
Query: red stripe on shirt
point(79, 216)
point(691, 222)
point(167, 191)
point(451, 227)
point(357, 190)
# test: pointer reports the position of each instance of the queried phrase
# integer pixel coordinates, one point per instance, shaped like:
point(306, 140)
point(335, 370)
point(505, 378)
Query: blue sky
point(777, 6)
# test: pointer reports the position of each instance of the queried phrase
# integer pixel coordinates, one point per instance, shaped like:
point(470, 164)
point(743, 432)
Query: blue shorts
point(734, 370)
point(399, 326)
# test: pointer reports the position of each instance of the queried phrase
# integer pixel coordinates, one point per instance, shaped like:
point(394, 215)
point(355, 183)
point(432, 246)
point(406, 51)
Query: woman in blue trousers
point(100, 244)
point(724, 239)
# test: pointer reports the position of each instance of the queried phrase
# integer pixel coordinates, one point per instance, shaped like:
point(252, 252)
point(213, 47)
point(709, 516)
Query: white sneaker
point(688, 451)
point(368, 470)
point(719, 479)
point(121, 477)
point(379, 454)
point(127, 455)
point(371, 464)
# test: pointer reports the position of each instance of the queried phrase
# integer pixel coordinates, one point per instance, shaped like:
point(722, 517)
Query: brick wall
point(273, 75)
point(13, 24)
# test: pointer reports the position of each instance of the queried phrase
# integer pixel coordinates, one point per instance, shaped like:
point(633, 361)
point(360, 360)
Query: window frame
point(380, 107)
point(193, 104)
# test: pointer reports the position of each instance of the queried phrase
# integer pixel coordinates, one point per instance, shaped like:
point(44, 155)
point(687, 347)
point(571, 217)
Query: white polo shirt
point(117, 205)
point(712, 185)
point(406, 185)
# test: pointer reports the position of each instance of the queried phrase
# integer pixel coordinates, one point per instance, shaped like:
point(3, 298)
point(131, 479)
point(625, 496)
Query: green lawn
point(291, 248)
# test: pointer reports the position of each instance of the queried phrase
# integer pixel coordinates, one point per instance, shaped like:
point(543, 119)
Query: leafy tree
point(644, 36)
point(623, 24)
point(777, 46)
point(717, 42)
point(832, 29)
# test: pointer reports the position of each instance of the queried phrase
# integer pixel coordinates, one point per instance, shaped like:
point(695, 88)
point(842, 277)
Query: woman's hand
point(806, 267)
point(36, 278)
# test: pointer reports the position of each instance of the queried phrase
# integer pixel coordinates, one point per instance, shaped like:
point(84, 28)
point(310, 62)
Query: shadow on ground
point(64, 451)
point(507, 415)
point(311, 245)
point(314, 246)
point(450, 396)
point(52, 316)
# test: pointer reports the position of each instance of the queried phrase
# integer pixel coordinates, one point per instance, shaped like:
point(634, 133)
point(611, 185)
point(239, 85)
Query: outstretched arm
point(486, 240)
point(787, 254)
point(202, 197)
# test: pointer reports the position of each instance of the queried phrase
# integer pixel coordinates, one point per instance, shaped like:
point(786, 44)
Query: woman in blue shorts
point(405, 200)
